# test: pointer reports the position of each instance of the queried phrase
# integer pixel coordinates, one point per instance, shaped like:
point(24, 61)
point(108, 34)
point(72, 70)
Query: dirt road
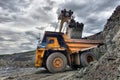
point(12, 73)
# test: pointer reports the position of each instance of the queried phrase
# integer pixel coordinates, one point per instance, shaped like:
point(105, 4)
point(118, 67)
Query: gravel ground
point(12, 73)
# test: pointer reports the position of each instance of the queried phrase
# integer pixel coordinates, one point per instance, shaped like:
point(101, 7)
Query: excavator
point(57, 50)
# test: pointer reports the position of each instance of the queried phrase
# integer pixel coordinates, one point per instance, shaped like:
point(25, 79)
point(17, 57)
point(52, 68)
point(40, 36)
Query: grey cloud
point(106, 5)
point(40, 28)
point(50, 3)
point(84, 10)
point(27, 47)
point(3, 51)
point(32, 34)
point(91, 20)
point(30, 43)
point(11, 34)
point(47, 8)
point(9, 50)
point(2, 39)
point(14, 5)
point(6, 4)
point(13, 11)
point(94, 24)
point(41, 14)
point(6, 45)
point(54, 24)
point(17, 36)
point(23, 22)
point(5, 19)
point(12, 42)
point(73, 5)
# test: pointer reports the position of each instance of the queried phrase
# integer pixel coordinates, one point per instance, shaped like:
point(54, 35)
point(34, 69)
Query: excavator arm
point(65, 16)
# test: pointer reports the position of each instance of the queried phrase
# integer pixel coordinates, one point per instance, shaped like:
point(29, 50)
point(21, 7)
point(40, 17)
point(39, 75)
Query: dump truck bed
point(76, 45)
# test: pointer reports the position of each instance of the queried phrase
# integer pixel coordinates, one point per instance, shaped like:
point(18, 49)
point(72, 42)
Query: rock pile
point(25, 59)
point(108, 66)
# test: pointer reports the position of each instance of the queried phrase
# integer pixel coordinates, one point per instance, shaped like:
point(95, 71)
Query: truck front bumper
point(39, 57)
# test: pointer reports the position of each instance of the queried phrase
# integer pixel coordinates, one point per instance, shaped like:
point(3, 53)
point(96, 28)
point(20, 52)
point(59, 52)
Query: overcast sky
point(20, 20)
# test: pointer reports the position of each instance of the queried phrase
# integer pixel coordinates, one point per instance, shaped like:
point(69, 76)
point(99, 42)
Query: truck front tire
point(56, 62)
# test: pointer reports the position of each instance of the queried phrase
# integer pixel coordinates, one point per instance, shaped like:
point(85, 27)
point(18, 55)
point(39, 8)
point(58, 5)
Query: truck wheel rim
point(89, 59)
point(57, 62)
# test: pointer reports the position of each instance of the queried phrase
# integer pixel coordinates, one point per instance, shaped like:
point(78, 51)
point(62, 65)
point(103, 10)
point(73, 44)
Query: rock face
point(108, 66)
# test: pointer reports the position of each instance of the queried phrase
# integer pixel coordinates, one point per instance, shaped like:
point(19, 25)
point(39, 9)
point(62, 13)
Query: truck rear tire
point(56, 62)
point(87, 57)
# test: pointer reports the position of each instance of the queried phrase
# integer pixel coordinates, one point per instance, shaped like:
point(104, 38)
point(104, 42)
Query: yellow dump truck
point(56, 50)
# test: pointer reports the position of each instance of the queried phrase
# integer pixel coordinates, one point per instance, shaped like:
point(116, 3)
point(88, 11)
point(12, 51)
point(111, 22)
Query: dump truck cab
point(51, 42)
